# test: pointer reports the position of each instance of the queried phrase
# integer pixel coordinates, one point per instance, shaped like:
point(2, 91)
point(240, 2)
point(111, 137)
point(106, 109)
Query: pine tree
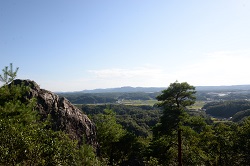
point(174, 101)
point(8, 74)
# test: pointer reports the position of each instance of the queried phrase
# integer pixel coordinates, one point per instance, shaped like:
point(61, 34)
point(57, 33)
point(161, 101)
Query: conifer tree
point(174, 101)
point(8, 74)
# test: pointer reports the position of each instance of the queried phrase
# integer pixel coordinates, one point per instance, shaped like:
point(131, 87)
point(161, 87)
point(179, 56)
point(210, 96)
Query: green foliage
point(163, 150)
point(241, 115)
point(108, 133)
point(136, 119)
point(226, 109)
point(104, 98)
point(82, 98)
point(242, 143)
point(117, 145)
point(174, 101)
point(169, 122)
point(177, 95)
point(203, 143)
point(108, 130)
point(164, 145)
point(8, 74)
point(25, 140)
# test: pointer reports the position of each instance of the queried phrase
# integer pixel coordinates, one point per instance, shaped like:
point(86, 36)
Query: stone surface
point(65, 116)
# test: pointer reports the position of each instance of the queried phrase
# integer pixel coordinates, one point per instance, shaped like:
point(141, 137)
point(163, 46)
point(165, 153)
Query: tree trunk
point(179, 148)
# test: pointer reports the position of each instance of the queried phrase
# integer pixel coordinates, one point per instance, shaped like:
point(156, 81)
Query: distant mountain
point(130, 89)
point(223, 88)
point(126, 89)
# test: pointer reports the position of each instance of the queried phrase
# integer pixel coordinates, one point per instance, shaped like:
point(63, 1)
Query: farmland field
point(138, 102)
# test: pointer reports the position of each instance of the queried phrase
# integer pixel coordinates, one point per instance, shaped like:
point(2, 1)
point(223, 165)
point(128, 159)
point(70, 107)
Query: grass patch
point(197, 105)
point(138, 102)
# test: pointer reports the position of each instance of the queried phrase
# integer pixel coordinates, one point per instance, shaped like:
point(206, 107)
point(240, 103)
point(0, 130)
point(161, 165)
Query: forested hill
point(159, 89)
point(223, 88)
point(116, 95)
point(126, 89)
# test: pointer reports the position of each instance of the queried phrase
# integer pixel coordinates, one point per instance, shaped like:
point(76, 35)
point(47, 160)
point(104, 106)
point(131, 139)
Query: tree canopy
point(8, 74)
point(26, 140)
point(174, 100)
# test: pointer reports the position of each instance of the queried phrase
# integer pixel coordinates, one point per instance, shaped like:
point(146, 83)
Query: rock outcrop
point(64, 115)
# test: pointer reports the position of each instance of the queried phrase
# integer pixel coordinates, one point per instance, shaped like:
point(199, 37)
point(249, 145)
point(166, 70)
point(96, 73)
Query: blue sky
point(87, 44)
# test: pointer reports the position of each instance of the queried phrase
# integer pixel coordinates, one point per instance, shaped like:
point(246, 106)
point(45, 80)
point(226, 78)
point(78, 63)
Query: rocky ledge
point(64, 115)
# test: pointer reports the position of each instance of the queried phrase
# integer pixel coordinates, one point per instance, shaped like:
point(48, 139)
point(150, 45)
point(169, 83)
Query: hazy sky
point(87, 44)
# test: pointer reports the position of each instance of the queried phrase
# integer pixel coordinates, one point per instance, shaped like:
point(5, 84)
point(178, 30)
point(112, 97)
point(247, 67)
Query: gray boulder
point(64, 115)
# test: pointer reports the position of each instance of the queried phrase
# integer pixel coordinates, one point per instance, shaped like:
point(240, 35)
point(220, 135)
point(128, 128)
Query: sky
point(75, 45)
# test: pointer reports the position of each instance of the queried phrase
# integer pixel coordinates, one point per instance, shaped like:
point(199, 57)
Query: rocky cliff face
point(65, 116)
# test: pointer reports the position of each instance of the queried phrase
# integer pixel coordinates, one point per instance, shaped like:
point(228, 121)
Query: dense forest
point(203, 141)
point(138, 120)
point(119, 95)
point(104, 98)
point(27, 139)
point(169, 132)
point(226, 109)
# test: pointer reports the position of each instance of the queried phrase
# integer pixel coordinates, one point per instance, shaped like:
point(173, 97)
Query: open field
point(197, 105)
point(138, 102)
